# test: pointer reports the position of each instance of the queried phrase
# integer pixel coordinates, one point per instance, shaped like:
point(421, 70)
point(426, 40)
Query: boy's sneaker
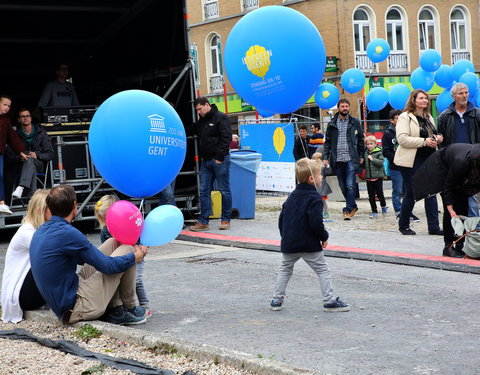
point(335, 306)
point(4, 209)
point(326, 215)
point(276, 304)
point(414, 219)
point(373, 215)
point(120, 315)
point(384, 210)
point(148, 311)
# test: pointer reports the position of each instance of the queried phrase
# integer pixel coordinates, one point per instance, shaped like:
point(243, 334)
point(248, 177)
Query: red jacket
point(9, 136)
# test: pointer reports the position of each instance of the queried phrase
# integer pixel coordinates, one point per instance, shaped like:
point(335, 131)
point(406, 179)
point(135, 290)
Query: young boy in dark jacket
point(304, 236)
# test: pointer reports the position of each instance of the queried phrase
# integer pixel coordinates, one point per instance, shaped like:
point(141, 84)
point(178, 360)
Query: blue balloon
point(352, 80)
point(327, 96)
point(472, 81)
point(398, 95)
point(275, 58)
point(263, 113)
point(137, 142)
point(444, 76)
point(420, 79)
point(377, 99)
point(162, 225)
point(443, 101)
point(461, 67)
point(378, 50)
point(430, 60)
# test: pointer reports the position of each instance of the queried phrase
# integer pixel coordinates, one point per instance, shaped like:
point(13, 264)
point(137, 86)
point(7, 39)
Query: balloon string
point(303, 146)
point(141, 204)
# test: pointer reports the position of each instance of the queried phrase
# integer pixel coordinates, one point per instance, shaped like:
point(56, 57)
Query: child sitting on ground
point(101, 209)
point(374, 174)
point(304, 236)
point(324, 189)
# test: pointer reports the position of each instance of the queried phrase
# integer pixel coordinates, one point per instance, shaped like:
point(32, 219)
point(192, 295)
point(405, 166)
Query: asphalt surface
point(404, 320)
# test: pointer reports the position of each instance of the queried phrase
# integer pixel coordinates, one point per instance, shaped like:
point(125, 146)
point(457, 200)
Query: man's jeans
point(397, 190)
point(167, 195)
point(209, 172)
point(347, 181)
point(473, 206)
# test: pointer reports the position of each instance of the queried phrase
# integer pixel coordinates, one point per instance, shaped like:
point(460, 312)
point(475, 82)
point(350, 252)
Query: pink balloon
point(125, 222)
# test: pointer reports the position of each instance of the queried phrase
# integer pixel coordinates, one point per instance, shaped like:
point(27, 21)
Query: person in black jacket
point(300, 147)
point(304, 236)
point(214, 134)
point(38, 149)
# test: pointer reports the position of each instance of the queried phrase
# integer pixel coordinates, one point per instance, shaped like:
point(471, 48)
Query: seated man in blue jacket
point(56, 249)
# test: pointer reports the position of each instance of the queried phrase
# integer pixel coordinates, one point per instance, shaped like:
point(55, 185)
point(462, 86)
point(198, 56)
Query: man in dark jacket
point(214, 134)
point(300, 147)
point(39, 152)
point(344, 149)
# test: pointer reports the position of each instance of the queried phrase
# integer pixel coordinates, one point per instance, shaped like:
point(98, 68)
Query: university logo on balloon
point(257, 60)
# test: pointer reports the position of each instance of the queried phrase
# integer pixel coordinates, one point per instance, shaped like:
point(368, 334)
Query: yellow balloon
point(257, 59)
point(279, 140)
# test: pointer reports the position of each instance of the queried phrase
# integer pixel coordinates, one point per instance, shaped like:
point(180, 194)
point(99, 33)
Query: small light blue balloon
point(472, 81)
point(377, 99)
point(444, 76)
point(430, 60)
point(352, 80)
point(327, 96)
point(275, 58)
point(461, 67)
point(398, 95)
point(443, 101)
point(137, 142)
point(162, 225)
point(263, 113)
point(420, 79)
point(378, 50)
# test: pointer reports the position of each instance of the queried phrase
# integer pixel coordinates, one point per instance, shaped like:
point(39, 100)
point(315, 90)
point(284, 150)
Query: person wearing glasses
point(59, 92)
point(38, 149)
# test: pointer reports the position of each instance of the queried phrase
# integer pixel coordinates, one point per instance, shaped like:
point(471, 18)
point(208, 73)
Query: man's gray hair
point(458, 86)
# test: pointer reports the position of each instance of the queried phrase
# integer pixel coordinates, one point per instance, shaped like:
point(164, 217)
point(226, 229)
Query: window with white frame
point(249, 4)
point(210, 9)
point(395, 30)
point(216, 78)
point(362, 36)
point(458, 31)
point(426, 29)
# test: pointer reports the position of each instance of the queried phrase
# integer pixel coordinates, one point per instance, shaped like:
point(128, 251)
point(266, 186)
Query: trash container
point(243, 175)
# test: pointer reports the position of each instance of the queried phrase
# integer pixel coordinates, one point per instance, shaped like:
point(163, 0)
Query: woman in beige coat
point(417, 139)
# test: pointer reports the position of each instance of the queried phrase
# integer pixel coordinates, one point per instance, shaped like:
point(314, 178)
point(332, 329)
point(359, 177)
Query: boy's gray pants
point(316, 261)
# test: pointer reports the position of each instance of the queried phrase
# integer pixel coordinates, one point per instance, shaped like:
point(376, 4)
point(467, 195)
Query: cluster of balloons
point(138, 144)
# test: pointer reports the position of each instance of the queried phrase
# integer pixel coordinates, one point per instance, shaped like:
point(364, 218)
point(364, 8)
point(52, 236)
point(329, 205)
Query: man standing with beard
point(343, 150)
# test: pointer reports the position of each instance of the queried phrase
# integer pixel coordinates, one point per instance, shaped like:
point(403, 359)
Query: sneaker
point(18, 192)
point(355, 209)
point(4, 209)
point(148, 313)
point(384, 210)
point(373, 215)
point(120, 315)
point(414, 219)
point(397, 217)
point(335, 306)
point(407, 231)
point(346, 215)
point(224, 226)
point(199, 227)
point(437, 232)
point(276, 304)
point(326, 215)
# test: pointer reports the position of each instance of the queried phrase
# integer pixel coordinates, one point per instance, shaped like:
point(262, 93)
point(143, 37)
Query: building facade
point(346, 27)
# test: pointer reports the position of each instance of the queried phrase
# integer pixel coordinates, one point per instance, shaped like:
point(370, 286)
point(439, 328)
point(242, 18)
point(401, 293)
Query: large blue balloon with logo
point(461, 67)
point(420, 79)
point(444, 76)
point(377, 99)
point(472, 82)
point(430, 60)
point(327, 96)
point(398, 95)
point(275, 58)
point(137, 142)
point(378, 50)
point(443, 101)
point(352, 80)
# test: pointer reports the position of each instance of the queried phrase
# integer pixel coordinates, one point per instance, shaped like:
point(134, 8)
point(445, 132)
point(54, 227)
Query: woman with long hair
point(19, 290)
point(417, 139)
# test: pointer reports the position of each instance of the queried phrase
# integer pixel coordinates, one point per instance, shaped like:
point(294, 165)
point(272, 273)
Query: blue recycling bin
point(243, 175)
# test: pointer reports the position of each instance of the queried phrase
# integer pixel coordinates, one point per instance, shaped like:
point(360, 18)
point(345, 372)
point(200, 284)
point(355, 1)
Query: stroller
point(471, 227)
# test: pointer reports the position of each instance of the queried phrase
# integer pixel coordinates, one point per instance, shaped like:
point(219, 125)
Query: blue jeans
point(167, 195)
point(473, 206)
point(431, 205)
point(2, 187)
point(347, 181)
point(397, 190)
point(211, 171)
point(139, 287)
